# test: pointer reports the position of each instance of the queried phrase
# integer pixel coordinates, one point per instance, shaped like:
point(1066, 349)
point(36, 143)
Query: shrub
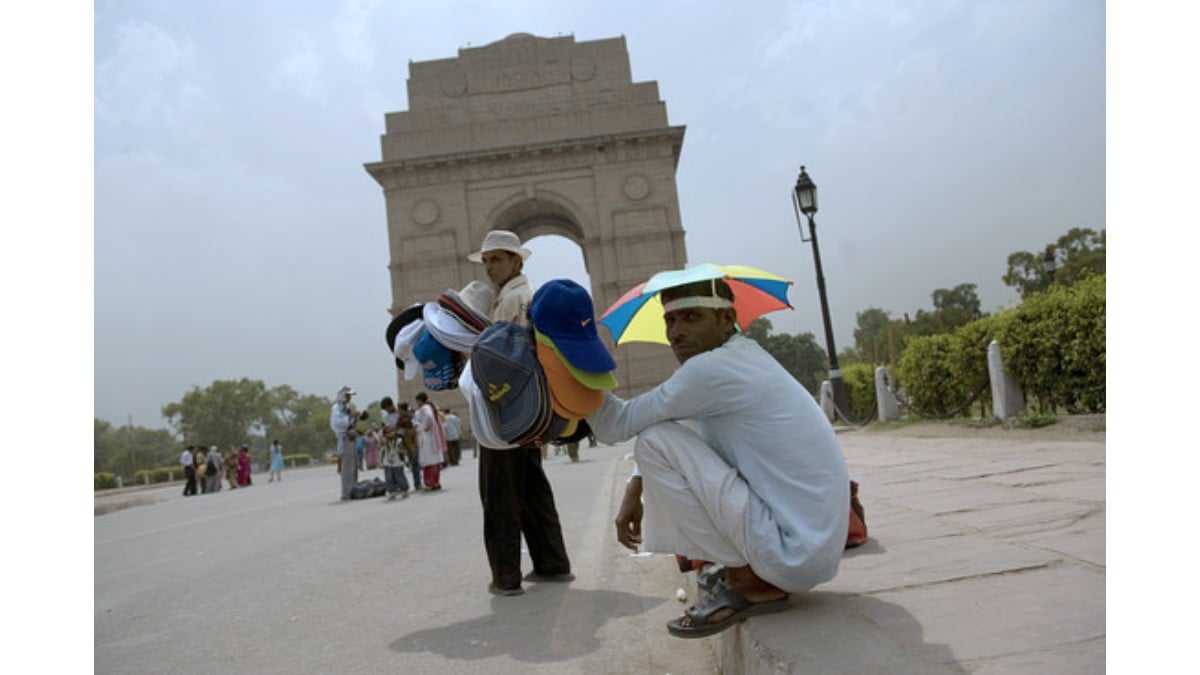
point(1054, 346)
point(158, 475)
point(105, 480)
point(943, 374)
point(859, 379)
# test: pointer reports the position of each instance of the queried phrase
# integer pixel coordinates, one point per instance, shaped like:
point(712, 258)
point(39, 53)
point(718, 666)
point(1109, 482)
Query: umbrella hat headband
point(638, 315)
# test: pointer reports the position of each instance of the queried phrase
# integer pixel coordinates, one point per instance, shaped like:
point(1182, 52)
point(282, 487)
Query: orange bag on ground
point(857, 536)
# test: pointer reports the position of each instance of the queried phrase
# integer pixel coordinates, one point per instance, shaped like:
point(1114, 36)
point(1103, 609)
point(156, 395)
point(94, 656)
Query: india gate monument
point(540, 136)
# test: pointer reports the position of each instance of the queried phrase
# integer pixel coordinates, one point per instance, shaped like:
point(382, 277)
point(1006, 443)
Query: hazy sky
point(238, 235)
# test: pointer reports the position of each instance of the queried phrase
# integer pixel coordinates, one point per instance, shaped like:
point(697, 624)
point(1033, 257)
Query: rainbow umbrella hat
point(638, 315)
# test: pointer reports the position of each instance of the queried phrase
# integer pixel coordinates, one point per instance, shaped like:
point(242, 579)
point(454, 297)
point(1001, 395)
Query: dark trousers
point(454, 452)
point(189, 488)
point(517, 500)
point(393, 478)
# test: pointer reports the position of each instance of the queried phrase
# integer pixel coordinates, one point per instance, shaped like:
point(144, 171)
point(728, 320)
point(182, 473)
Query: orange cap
point(569, 398)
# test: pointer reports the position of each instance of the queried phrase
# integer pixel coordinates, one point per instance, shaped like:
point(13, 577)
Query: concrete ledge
point(986, 556)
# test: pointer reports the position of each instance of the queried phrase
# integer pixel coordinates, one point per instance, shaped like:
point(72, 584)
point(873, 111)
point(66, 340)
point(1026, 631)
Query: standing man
point(756, 482)
point(188, 461)
point(453, 428)
point(341, 420)
point(513, 488)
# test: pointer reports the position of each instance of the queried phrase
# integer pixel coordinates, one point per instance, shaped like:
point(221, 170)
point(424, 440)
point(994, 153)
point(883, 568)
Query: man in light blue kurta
point(736, 464)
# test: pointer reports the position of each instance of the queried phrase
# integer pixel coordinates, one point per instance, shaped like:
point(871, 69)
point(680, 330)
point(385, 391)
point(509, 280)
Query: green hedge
point(1054, 346)
point(105, 480)
point(859, 379)
point(159, 475)
point(302, 459)
point(943, 375)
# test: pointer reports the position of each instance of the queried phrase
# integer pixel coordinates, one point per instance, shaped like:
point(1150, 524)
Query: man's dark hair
point(385, 401)
point(698, 288)
point(422, 397)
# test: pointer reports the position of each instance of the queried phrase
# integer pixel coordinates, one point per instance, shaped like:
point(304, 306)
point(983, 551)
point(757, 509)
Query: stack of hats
point(470, 306)
point(433, 337)
point(402, 332)
point(577, 365)
point(457, 319)
point(538, 384)
point(512, 387)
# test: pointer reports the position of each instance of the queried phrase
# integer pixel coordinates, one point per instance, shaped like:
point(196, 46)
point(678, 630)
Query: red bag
point(857, 536)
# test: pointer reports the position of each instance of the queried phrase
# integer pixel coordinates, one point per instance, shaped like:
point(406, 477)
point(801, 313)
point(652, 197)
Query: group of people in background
point(423, 439)
point(209, 469)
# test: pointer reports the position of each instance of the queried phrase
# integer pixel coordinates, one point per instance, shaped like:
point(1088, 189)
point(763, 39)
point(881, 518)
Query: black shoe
point(496, 590)
point(559, 578)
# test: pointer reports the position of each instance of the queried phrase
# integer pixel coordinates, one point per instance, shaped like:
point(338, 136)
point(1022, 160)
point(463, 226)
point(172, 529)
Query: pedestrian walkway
point(986, 555)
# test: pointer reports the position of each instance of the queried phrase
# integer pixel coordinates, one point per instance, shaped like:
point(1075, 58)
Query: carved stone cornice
point(530, 159)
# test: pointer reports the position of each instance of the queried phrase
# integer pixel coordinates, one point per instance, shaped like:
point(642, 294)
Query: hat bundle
point(440, 364)
point(470, 305)
point(578, 366)
point(401, 346)
point(447, 330)
point(505, 367)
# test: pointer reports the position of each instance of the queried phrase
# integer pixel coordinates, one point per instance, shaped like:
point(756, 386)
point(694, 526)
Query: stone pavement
point(986, 555)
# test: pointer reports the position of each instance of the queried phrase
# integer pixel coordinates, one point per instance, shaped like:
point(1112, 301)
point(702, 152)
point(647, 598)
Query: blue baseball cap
point(562, 311)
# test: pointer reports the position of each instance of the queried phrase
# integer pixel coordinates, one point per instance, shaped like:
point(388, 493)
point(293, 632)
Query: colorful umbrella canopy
point(638, 315)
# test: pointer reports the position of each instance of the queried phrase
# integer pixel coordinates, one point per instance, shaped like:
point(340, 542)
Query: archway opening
point(556, 257)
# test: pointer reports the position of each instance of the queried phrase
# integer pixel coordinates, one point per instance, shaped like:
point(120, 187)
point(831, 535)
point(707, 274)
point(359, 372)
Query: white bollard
point(1007, 397)
point(827, 405)
point(885, 400)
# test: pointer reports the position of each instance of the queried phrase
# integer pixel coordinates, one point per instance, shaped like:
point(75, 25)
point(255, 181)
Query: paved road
point(283, 577)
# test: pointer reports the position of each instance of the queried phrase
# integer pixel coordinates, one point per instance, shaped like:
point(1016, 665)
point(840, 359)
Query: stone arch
point(538, 136)
point(541, 214)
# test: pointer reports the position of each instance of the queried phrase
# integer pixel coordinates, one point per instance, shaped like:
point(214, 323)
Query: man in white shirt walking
point(188, 461)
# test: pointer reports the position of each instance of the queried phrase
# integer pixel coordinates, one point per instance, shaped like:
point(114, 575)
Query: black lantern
point(805, 197)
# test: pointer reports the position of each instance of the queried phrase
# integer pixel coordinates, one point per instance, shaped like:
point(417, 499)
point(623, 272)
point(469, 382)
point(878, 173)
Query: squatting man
point(735, 464)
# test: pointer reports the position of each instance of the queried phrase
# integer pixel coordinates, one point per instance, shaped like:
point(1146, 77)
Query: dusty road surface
point(285, 578)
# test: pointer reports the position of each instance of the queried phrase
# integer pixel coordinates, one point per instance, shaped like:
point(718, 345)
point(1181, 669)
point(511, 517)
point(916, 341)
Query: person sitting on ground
point(754, 481)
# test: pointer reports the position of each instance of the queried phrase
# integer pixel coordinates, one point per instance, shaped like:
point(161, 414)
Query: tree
point(127, 449)
point(952, 308)
point(800, 355)
point(225, 413)
point(871, 336)
point(1079, 254)
point(307, 431)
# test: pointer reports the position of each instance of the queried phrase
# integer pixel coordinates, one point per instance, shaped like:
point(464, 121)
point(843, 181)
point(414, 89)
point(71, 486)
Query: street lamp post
point(804, 199)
